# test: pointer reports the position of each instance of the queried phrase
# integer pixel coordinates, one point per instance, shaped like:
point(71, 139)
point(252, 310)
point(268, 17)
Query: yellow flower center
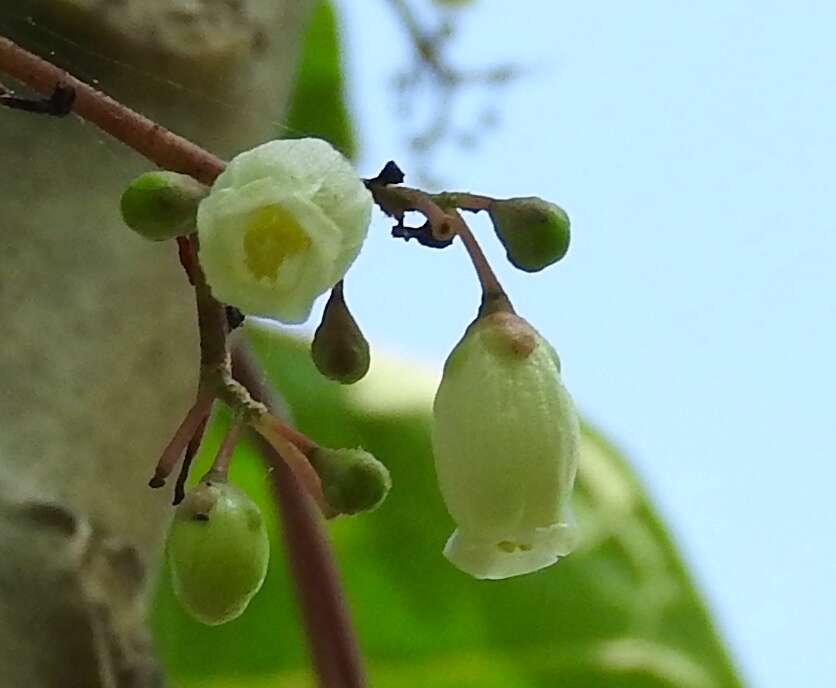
point(271, 236)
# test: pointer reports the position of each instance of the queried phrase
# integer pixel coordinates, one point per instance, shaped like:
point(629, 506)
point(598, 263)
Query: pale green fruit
point(353, 480)
point(217, 552)
point(505, 440)
point(162, 205)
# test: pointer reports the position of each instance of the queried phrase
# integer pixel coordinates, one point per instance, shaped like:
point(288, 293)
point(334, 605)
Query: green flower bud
point(339, 349)
point(353, 480)
point(535, 233)
point(162, 205)
point(217, 552)
point(505, 440)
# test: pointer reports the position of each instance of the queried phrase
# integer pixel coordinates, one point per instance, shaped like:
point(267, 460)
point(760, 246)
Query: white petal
point(330, 203)
point(516, 555)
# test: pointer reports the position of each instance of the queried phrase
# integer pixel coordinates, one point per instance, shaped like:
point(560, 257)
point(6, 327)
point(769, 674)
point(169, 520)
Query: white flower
point(505, 439)
point(282, 225)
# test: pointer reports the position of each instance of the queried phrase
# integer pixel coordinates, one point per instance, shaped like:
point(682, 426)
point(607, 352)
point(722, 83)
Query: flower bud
point(505, 440)
point(339, 349)
point(535, 233)
point(162, 205)
point(352, 479)
point(282, 225)
point(217, 552)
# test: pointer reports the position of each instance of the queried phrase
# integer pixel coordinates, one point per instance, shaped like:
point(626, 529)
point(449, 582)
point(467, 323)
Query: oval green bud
point(217, 552)
point(162, 205)
point(535, 233)
point(505, 440)
point(353, 480)
point(339, 349)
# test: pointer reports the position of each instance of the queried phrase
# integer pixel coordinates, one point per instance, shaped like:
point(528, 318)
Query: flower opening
point(271, 236)
point(281, 225)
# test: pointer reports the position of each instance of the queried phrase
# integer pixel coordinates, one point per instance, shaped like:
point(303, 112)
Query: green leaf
point(317, 103)
point(620, 611)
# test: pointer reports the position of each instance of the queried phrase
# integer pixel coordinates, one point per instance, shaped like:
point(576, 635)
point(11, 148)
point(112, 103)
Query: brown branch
point(494, 297)
point(426, 46)
point(220, 466)
point(464, 200)
point(194, 418)
point(334, 650)
point(188, 458)
point(275, 424)
point(211, 319)
point(158, 144)
point(396, 200)
point(446, 81)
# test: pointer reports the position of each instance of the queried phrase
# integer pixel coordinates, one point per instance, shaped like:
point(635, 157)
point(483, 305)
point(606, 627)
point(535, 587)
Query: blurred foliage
point(621, 611)
point(317, 102)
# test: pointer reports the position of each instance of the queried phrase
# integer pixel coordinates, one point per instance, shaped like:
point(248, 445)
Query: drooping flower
point(505, 440)
point(282, 225)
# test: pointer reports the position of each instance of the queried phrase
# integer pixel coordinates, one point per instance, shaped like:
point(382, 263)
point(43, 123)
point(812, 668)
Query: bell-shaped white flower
point(282, 225)
point(505, 439)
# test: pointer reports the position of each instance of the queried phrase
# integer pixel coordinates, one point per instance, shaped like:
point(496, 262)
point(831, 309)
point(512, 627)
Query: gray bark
point(98, 359)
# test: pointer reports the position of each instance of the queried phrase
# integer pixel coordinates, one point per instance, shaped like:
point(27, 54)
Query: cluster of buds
point(281, 226)
point(278, 228)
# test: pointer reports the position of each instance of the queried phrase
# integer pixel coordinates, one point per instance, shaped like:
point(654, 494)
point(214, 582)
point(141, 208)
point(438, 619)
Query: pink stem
point(220, 466)
point(297, 462)
point(183, 435)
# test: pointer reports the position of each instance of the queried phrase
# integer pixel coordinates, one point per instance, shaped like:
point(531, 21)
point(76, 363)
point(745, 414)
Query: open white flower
point(282, 225)
point(505, 440)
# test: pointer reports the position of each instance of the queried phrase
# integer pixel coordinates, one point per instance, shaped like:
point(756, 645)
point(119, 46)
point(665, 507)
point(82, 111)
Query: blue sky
point(693, 146)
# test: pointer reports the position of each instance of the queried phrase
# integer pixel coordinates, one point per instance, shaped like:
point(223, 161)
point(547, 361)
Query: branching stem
point(335, 650)
point(445, 221)
point(273, 432)
point(336, 657)
point(177, 445)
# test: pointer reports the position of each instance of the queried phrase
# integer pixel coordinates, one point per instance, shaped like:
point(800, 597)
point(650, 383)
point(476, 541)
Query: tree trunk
point(99, 353)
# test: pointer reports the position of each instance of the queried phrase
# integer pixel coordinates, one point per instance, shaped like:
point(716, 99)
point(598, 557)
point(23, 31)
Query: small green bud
point(339, 349)
point(535, 233)
point(505, 440)
point(353, 480)
point(162, 205)
point(217, 552)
